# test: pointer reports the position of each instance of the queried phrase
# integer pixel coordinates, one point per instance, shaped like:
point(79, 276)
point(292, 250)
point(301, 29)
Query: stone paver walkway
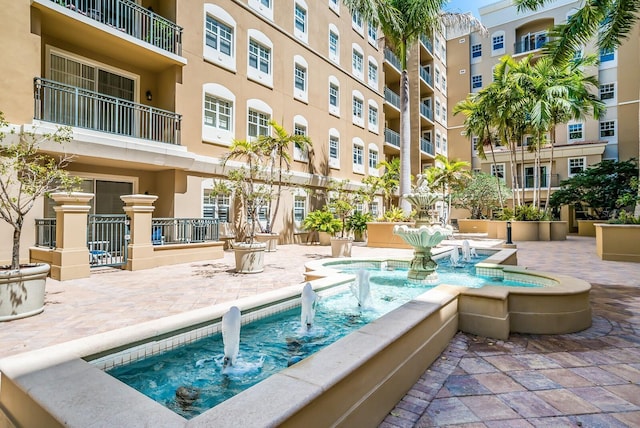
point(588, 379)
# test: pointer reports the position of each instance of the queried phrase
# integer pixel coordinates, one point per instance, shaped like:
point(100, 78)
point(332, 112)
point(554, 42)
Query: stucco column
point(71, 256)
point(140, 208)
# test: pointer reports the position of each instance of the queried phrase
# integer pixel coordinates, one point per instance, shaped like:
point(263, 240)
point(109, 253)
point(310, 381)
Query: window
point(437, 77)
point(373, 159)
point(334, 45)
point(300, 152)
point(357, 109)
point(357, 61)
point(259, 66)
point(530, 178)
point(300, 79)
point(334, 148)
point(438, 140)
point(335, 6)
point(373, 73)
point(217, 112)
point(300, 19)
point(258, 123)
point(575, 131)
point(437, 108)
point(375, 209)
point(356, 21)
point(444, 83)
point(607, 55)
point(476, 51)
point(497, 170)
point(219, 36)
point(215, 206)
point(607, 91)
point(264, 7)
point(372, 32)
point(334, 96)
point(444, 145)
point(373, 116)
point(497, 43)
point(476, 82)
point(358, 156)
point(444, 114)
point(576, 165)
point(299, 208)
point(607, 129)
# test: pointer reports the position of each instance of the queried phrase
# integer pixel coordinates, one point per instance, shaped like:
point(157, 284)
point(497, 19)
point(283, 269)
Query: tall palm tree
point(447, 174)
point(403, 22)
point(390, 179)
point(276, 146)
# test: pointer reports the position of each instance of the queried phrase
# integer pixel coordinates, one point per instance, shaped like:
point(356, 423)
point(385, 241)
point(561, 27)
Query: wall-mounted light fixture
point(149, 95)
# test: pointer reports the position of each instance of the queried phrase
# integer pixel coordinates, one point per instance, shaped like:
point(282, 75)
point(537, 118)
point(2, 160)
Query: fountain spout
point(308, 303)
point(361, 288)
point(231, 335)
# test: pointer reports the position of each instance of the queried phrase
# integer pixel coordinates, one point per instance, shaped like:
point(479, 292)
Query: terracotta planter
point(270, 239)
point(618, 242)
point(22, 291)
point(341, 247)
point(380, 234)
point(469, 225)
point(587, 228)
point(249, 257)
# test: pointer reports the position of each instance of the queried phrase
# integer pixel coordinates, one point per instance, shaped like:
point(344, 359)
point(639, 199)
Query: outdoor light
point(149, 95)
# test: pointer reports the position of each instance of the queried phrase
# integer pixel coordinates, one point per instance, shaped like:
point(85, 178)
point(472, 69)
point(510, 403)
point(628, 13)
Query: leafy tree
point(480, 193)
point(27, 174)
point(600, 187)
point(445, 175)
point(389, 180)
point(403, 22)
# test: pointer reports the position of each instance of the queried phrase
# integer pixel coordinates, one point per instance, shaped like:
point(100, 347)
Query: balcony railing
point(46, 232)
point(529, 182)
point(426, 76)
point(69, 105)
point(426, 146)
point(392, 98)
point(532, 43)
point(132, 19)
point(426, 42)
point(426, 111)
point(392, 137)
point(183, 230)
point(392, 59)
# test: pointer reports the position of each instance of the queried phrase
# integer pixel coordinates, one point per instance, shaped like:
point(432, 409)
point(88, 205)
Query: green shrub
point(523, 213)
point(395, 214)
point(322, 221)
point(357, 222)
point(625, 217)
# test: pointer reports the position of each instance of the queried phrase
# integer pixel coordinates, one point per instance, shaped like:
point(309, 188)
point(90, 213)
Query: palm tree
point(403, 22)
point(446, 174)
point(389, 180)
point(276, 147)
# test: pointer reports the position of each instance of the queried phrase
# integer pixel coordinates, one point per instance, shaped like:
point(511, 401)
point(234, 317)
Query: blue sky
point(467, 5)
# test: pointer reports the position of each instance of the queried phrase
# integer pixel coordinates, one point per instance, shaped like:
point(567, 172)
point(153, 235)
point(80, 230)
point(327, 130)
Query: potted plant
point(341, 205)
point(357, 223)
point(26, 175)
point(323, 223)
point(252, 195)
point(480, 195)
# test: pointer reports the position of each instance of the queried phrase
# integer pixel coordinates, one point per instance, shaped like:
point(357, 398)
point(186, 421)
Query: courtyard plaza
point(589, 379)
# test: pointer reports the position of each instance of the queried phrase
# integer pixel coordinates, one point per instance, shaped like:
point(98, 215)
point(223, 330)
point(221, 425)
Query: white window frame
point(373, 159)
point(212, 54)
point(214, 134)
point(373, 116)
point(262, 108)
point(357, 156)
point(265, 10)
point(499, 37)
point(438, 142)
point(357, 119)
point(437, 109)
point(298, 33)
point(299, 122)
point(609, 90)
point(476, 82)
point(334, 137)
point(572, 128)
point(334, 83)
point(498, 168)
point(436, 77)
point(372, 35)
point(263, 43)
point(373, 78)
point(334, 56)
point(299, 207)
point(357, 23)
point(570, 168)
point(334, 5)
point(607, 126)
point(300, 71)
point(357, 61)
point(476, 49)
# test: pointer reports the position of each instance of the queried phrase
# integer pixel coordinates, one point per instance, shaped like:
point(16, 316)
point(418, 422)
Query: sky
point(467, 6)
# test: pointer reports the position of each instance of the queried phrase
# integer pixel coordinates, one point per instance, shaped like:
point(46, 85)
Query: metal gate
point(107, 239)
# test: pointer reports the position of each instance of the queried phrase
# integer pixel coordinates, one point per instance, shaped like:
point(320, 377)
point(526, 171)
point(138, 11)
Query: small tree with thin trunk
point(27, 174)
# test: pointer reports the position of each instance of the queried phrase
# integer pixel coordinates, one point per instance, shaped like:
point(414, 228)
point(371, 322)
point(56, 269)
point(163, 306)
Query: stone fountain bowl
point(423, 236)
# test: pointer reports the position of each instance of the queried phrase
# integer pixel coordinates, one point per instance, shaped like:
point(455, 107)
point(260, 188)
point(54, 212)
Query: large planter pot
point(468, 225)
point(524, 230)
point(358, 236)
point(341, 247)
point(618, 242)
point(270, 239)
point(587, 228)
point(380, 234)
point(324, 238)
point(249, 257)
point(22, 291)
point(559, 230)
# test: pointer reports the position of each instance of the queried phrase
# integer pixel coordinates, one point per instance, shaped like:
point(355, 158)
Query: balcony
point(391, 58)
point(426, 146)
point(132, 19)
point(530, 43)
point(72, 106)
point(392, 137)
point(425, 76)
point(426, 42)
point(426, 111)
point(392, 98)
point(529, 180)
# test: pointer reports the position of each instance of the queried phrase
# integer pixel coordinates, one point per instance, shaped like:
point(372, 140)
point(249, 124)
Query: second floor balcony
point(531, 43)
point(426, 42)
point(73, 106)
point(392, 137)
point(426, 111)
point(426, 146)
point(392, 59)
point(426, 76)
point(392, 98)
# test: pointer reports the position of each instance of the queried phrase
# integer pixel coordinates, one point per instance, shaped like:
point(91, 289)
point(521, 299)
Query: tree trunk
point(405, 142)
point(15, 253)
point(553, 143)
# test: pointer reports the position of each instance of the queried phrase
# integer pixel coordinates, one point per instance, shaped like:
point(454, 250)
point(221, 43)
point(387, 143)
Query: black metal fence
point(46, 232)
point(183, 230)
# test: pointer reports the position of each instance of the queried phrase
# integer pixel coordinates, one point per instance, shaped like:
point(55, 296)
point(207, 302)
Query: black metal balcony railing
point(426, 111)
point(132, 19)
point(391, 97)
point(426, 42)
point(46, 232)
point(69, 105)
point(392, 137)
point(529, 180)
point(183, 230)
point(392, 59)
point(530, 44)
point(426, 146)
point(424, 75)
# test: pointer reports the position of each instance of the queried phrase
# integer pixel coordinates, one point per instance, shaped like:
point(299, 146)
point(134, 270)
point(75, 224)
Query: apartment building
point(472, 57)
point(156, 91)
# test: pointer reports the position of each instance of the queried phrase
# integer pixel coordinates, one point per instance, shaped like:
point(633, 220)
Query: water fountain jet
point(231, 335)
point(308, 305)
point(361, 288)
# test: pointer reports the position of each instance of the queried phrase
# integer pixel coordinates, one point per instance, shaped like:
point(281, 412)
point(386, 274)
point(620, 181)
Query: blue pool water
point(271, 344)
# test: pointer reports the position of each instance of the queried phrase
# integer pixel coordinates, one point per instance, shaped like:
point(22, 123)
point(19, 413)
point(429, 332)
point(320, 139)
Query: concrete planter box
point(341, 247)
point(249, 257)
point(587, 228)
point(270, 239)
point(529, 230)
point(380, 234)
point(22, 291)
point(559, 230)
point(619, 242)
point(469, 225)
